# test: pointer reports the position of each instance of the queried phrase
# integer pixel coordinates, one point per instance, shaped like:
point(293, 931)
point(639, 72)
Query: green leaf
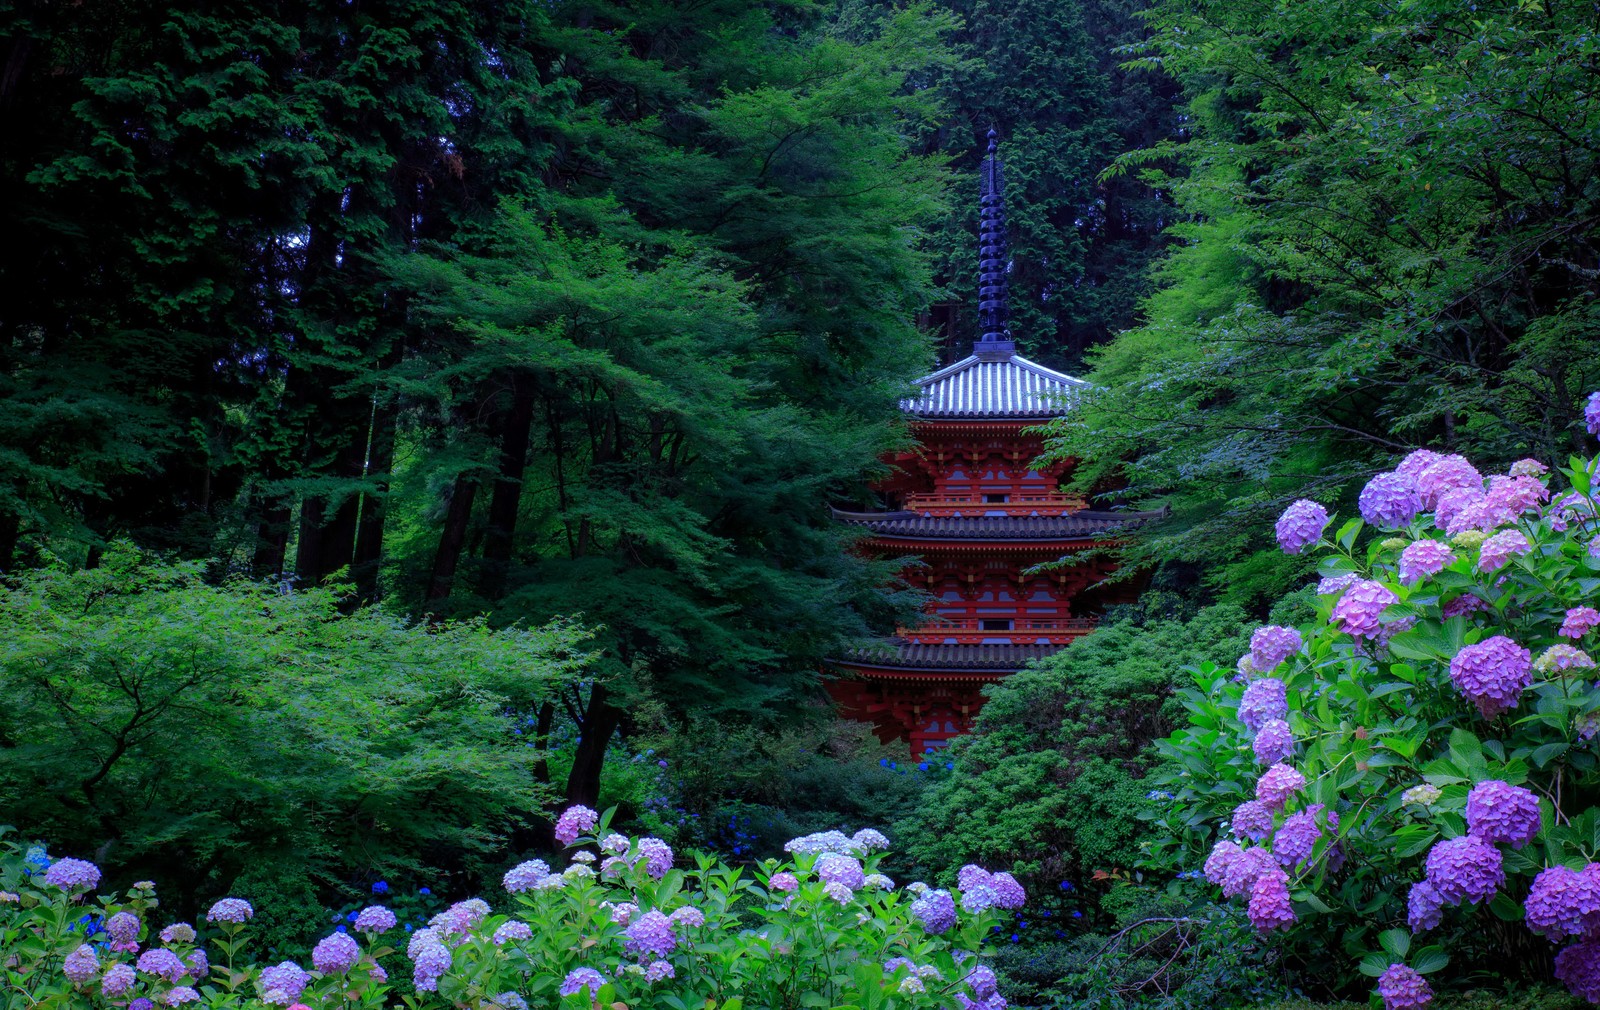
point(1429, 960)
point(1396, 942)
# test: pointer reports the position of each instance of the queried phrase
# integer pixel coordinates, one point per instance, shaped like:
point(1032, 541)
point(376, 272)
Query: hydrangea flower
point(655, 971)
point(1578, 966)
point(870, 840)
point(430, 959)
point(1459, 509)
point(1240, 875)
point(657, 856)
point(783, 881)
point(1264, 700)
point(1270, 907)
point(123, 928)
point(1357, 611)
point(511, 929)
point(1424, 794)
point(1295, 840)
point(235, 910)
point(574, 821)
point(1415, 462)
point(1424, 907)
point(1502, 814)
point(1336, 583)
point(1252, 819)
point(1008, 892)
point(1300, 526)
point(1501, 548)
point(178, 932)
point(284, 982)
point(1528, 468)
point(80, 965)
point(1277, 784)
point(511, 1001)
point(1563, 902)
point(375, 919)
point(1465, 869)
point(1422, 559)
point(820, 842)
point(199, 964)
point(614, 843)
point(1271, 644)
point(162, 963)
point(1389, 501)
point(1563, 657)
point(1578, 622)
point(526, 876)
point(936, 910)
point(688, 916)
point(651, 933)
point(878, 882)
point(1274, 744)
point(1591, 421)
point(1492, 673)
point(982, 982)
point(179, 995)
point(72, 874)
point(1403, 989)
point(840, 869)
point(580, 978)
point(118, 979)
point(1443, 474)
point(1463, 605)
point(335, 953)
point(1223, 855)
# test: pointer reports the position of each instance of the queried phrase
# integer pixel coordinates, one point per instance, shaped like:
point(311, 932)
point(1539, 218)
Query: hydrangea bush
point(623, 923)
point(1420, 759)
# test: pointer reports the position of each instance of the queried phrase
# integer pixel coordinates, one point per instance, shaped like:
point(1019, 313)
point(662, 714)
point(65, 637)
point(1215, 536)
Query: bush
point(620, 925)
point(1429, 738)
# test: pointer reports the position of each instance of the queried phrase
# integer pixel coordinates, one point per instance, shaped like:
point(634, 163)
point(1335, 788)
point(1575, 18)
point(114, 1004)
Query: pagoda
point(973, 514)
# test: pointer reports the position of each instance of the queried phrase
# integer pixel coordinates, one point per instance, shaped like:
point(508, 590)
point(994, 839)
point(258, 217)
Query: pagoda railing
point(1023, 630)
point(1016, 504)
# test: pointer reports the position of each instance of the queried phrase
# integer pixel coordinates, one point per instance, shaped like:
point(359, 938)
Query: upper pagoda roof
point(1084, 525)
point(993, 384)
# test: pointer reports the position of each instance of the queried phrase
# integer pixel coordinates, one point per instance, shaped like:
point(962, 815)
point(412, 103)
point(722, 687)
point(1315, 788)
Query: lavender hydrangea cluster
point(526, 876)
point(1270, 907)
point(936, 910)
point(81, 965)
point(375, 919)
point(981, 889)
point(820, 842)
point(1423, 559)
point(1277, 784)
point(1424, 907)
point(657, 856)
point(836, 868)
point(335, 953)
point(1500, 549)
point(72, 874)
point(1252, 819)
point(1403, 989)
point(1271, 644)
point(1465, 869)
point(1579, 621)
point(1390, 501)
point(1564, 902)
point(283, 983)
point(1578, 968)
point(1300, 526)
point(1502, 814)
point(651, 933)
point(511, 929)
point(430, 959)
point(1263, 701)
point(1357, 612)
point(575, 821)
point(579, 979)
point(123, 929)
point(1561, 657)
point(1492, 674)
point(162, 963)
point(231, 910)
point(1274, 744)
point(118, 980)
point(1297, 838)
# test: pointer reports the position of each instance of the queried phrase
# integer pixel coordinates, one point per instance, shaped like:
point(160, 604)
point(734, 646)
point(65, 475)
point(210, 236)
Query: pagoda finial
point(994, 259)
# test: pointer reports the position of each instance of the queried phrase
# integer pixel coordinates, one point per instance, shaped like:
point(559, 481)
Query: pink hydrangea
point(1263, 701)
point(1295, 840)
point(1502, 814)
point(1459, 509)
point(1579, 621)
point(1270, 907)
point(1274, 743)
point(1578, 966)
point(1423, 558)
point(1501, 548)
point(1336, 583)
point(1516, 494)
point(1357, 611)
point(1301, 525)
point(1403, 989)
point(1424, 907)
point(1492, 673)
point(1277, 784)
point(782, 881)
point(1239, 876)
point(1223, 855)
point(1443, 474)
point(1465, 869)
point(574, 821)
point(1271, 644)
point(1563, 902)
point(1251, 819)
point(1415, 462)
point(1389, 501)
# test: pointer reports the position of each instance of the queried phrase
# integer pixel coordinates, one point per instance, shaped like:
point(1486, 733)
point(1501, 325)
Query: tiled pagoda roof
point(915, 656)
point(990, 384)
point(1086, 525)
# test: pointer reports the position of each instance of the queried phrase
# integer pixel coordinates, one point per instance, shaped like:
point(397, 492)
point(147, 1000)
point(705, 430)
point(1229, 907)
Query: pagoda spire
point(994, 258)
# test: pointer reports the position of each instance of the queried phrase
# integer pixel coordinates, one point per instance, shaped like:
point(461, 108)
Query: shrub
point(1415, 770)
point(620, 925)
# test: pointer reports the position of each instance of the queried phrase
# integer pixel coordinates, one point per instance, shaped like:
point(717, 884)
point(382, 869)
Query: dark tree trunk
point(451, 539)
point(507, 495)
point(600, 721)
point(374, 504)
point(541, 741)
point(272, 537)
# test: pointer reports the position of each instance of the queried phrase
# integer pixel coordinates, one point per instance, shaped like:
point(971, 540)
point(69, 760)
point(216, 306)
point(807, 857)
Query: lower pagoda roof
point(888, 658)
point(1084, 525)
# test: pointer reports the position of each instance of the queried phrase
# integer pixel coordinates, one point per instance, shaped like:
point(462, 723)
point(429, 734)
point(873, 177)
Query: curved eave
point(923, 674)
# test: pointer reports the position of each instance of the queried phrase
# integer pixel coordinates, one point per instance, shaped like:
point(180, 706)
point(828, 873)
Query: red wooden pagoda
point(972, 513)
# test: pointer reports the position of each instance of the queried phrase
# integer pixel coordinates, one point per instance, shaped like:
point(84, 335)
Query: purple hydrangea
point(526, 876)
point(614, 843)
point(1223, 855)
point(1274, 744)
point(162, 963)
point(1357, 611)
point(72, 874)
point(1415, 462)
point(511, 929)
point(430, 959)
point(1444, 474)
point(1501, 548)
point(936, 910)
point(123, 928)
point(234, 910)
point(1578, 966)
point(1424, 907)
point(375, 919)
point(1465, 869)
point(1277, 784)
point(651, 933)
point(1578, 622)
point(1515, 494)
point(117, 981)
point(199, 964)
point(573, 822)
point(657, 856)
point(840, 869)
point(838, 892)
point(1301, 525)
point(1403, 989)
point(1270, 907)
point(1591, 421)
point(1563, 903)
point(178, 995)
point(1263, 701)
point(1492, 673)
point(687, 916)
point(870, 840)
point(1423, 558)
point(178, 932)
point(283, 983)
point(982, 981)
point(1463, 605)
point(1240, 875)
point(1389, 501)
point(783, 881)
point(1336, 583)
point(335, 953)
point(1297, 838)
point(579, 979)
point(511, 1001)
point(821, 841)
point(80, 965)
point(655, 971)
point(1252, 819)
point(1502, 814)
point(1271, 645)
point(142, 1003)
point(1008, 892)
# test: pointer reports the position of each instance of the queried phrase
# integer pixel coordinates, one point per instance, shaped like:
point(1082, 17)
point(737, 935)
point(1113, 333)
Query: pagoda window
point(996, 499)
point(994, 624)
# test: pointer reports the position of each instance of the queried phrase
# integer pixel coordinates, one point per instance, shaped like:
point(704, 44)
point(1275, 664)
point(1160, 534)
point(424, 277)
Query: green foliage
point(157, 720)
point(1052, 778)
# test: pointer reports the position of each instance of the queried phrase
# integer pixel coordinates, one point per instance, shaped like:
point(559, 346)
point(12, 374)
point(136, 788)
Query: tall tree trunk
point(506, 498)
point(368, 556)
point(600, 721)
point(451, 539)
point(541, 741)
